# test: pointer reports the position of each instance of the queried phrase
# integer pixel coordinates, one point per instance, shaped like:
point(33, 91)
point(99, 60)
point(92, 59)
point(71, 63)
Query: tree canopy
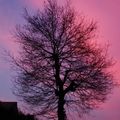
point(61, 70)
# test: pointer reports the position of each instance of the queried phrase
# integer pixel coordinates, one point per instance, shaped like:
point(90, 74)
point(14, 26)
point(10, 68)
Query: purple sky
point(105, 12)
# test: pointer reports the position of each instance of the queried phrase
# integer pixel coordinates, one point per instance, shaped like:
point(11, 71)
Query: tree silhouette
point(61, 70)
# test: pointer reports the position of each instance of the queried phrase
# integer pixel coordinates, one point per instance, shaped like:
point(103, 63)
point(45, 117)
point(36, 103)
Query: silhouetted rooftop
point(9, 111)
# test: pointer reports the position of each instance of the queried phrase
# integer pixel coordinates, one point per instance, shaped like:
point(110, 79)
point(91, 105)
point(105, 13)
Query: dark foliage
point(60, 68)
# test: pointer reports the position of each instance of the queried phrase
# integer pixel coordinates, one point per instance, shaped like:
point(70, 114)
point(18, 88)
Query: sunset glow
point(104, 12)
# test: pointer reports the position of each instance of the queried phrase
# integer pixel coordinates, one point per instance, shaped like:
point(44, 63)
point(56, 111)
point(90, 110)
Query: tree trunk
point(61, 110)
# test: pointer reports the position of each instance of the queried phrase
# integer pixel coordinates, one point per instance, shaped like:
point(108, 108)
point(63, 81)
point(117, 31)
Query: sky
point(105, 12)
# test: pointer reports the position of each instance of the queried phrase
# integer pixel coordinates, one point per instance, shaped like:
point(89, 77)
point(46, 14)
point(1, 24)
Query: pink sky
point(105, 12)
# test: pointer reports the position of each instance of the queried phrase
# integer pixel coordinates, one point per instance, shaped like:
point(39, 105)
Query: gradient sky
point(105, 12)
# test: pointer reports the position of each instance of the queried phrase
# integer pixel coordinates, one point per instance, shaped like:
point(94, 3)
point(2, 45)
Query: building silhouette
point(9, 111)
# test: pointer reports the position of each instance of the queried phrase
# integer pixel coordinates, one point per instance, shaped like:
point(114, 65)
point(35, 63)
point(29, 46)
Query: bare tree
point(60, 67)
